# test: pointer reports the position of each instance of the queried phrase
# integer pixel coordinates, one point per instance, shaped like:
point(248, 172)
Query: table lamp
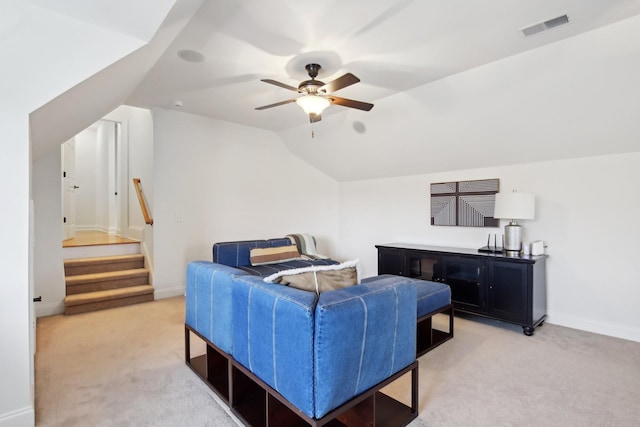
point(514, 206)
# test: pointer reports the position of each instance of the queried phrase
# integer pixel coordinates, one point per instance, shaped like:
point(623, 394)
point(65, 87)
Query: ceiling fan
point(318, 95)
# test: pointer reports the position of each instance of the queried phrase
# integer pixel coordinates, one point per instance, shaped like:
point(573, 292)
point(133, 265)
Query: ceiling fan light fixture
point(313, 104)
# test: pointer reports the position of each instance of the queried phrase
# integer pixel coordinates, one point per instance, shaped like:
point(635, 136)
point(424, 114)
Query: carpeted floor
point(125, 367)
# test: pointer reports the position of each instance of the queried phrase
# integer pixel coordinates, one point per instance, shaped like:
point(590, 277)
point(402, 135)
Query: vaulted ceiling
point(455, 82)
point(391, 45)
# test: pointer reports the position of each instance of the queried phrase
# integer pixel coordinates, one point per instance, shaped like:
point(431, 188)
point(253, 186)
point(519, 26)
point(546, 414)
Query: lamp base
point(512, 238)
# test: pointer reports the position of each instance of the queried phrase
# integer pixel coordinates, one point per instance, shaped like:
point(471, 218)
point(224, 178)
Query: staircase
point(103, 282)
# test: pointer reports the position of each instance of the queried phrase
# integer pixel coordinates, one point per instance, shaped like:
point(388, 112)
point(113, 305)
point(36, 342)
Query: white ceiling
point(391, 45)
point(110, 14)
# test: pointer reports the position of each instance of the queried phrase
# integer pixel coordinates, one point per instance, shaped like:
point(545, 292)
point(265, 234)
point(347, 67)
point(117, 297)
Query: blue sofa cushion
point(363, 335)
point(236, 254)
point(431, 296)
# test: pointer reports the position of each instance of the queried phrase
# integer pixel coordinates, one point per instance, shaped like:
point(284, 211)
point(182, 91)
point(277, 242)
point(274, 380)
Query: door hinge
point(64, 174)
point(64, 219)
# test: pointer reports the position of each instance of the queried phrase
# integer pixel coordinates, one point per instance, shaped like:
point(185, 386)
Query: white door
point(68, 189)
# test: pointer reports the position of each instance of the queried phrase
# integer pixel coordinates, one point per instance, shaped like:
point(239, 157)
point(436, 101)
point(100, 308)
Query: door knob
point(75, 187)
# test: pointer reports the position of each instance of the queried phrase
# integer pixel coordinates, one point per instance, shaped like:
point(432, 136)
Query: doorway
point(94, 181)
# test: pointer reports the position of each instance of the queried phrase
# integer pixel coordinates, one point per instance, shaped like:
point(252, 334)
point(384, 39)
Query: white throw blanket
point(306, 244)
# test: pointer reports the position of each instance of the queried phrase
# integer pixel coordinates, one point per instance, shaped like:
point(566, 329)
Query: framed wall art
point(464, 203)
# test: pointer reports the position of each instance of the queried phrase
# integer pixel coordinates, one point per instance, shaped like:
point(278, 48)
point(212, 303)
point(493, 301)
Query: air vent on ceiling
point(546, 25)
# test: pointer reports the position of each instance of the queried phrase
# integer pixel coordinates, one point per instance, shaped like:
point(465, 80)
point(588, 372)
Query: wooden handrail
point(143, 202)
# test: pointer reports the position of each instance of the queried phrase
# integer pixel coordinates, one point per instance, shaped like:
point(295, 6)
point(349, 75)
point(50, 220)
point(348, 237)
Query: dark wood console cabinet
point(508, 288)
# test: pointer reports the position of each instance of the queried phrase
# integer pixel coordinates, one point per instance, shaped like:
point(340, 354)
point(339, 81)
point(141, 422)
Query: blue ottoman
point(433, 298)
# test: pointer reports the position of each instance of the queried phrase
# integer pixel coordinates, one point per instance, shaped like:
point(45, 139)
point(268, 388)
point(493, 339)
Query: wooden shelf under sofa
point(257, 404)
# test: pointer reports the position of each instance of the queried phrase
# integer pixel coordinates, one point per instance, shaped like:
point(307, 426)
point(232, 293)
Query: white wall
point(137, 140)
point(229, 182)
point(101, 192)
point(85, 168)
point(49, 268)
point(27, 82)
point(16, 398)
point(94, 172)
point(586, 212)
point(58, 59)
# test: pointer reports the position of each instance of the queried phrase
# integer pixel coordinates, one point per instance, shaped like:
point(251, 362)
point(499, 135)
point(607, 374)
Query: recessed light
point(191, 55)
point(359, 127)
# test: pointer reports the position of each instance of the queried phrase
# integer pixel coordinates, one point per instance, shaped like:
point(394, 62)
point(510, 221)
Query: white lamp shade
point(514, 206)
point(313, 104)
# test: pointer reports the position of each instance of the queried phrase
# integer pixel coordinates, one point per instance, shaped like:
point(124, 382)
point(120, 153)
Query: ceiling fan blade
point(314, 118)
point(282, 85)
point(264, 107)
point(350, 103)
point(339, 83)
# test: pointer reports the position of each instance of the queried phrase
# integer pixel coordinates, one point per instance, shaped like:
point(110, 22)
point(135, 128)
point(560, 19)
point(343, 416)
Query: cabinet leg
point(527, 330)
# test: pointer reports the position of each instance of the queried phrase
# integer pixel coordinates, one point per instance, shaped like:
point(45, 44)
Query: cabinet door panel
point(465, 276)
point(425, 266)
point(507, 293)
point(391, 261)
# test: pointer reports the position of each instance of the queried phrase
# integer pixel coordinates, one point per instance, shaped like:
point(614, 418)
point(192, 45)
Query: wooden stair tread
point(100, 282)
point(108, 275)
point(98, 296)
point(75, 262)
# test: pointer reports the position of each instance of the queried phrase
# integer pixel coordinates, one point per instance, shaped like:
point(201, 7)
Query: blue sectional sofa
point(322, 357)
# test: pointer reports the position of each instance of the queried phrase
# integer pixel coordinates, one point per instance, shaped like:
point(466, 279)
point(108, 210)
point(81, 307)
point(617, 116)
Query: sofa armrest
point(363, 335)
point(273, 336)
point(208, 301)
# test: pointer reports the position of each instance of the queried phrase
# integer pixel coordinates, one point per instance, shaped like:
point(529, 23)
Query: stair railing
point(143, 202)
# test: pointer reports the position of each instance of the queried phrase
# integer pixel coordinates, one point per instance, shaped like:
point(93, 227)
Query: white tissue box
point(537, 247)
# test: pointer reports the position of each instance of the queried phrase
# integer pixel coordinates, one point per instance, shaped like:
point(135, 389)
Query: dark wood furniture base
point(510, 288)
point(257, 404)
point(428, 338)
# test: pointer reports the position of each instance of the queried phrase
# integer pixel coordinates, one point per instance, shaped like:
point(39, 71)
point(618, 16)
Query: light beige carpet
point(125, 367)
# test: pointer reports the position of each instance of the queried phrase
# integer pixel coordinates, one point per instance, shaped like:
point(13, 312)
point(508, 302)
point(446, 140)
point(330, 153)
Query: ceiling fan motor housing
point(313, 70)
point(311, 86)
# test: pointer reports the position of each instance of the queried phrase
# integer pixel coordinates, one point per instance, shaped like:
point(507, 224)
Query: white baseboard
point(169, 292)
point(23, 417)
point(51, 309)
point(617, 331)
